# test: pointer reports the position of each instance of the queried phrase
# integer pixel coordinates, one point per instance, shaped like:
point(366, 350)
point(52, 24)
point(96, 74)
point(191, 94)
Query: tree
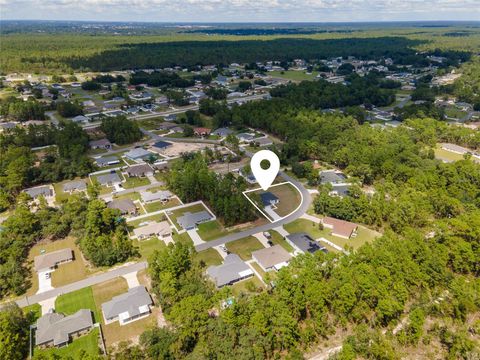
point(120, 130)
point(13, 333)
point(69, 109)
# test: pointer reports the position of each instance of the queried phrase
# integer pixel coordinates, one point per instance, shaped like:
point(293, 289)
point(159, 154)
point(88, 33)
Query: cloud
point(241, 10)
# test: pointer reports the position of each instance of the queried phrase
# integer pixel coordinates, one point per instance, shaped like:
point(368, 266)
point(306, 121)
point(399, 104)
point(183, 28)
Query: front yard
point(244, 247)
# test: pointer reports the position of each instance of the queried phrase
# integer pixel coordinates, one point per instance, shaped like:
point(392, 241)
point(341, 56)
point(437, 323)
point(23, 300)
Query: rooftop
point(130, 303)
point(161, 228)
point(232, 270)
point(305, 243)
point(340, 227)
point(124, 205)
point(272, 256)
point(51, 259)
point(189, 220)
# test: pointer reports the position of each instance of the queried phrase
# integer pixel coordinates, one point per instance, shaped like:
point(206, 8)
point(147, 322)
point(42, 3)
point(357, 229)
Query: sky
point(241, 10)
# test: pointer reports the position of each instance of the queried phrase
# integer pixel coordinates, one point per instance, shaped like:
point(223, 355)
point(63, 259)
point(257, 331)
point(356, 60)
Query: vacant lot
point(65, 273)
point(303, 225)
point(133, 182)
point(72, 302)
point(244, 247)
point(209, 257)
point(293, 75)
point(211, 230)
point(148, 247)
point(278, 239)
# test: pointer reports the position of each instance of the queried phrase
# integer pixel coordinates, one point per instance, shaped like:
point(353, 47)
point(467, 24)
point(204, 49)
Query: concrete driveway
point(197, 240)
point(44, 283)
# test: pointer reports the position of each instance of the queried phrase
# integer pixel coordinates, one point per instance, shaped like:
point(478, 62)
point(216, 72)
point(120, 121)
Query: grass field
point(446, 155)
point(158, 205)
point(289, 198)
point(211, 230)
point(65, 273)
point(249, 286)
point(77, 349)
point(72, 302)
point(133, 182)
point(147, 247)
point(278, 239)
point(244, 247)
point(157, 217)
point(293, 75)
point(209, 257)
point(303, 225)
point(107, 290)
point(32, 312)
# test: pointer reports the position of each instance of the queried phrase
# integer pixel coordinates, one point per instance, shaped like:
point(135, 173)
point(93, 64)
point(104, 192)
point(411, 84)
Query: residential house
point(107, 161)
point(340, 228)
point(126, 206)
point(110, 179)
point(265, 141)
point(189, 221)
point(304, 244)
point(133, 305)
point(46, 191)
point(80, 119)
point(222, 132)
point(162, 195)
point(274, 257)
point(269, 199)
point(232, 270)
point(104, 144)
point(245, 137)
point(139, 170)
point(51, 260)
point(137, 154)
point(160, 229)
point(75, 186)
point(53, 329)
point(201, 131)
point(332, 177)
point(160, 146)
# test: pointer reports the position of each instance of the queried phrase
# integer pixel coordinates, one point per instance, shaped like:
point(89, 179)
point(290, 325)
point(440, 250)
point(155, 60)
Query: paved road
point(92, 280)
point(292, 217)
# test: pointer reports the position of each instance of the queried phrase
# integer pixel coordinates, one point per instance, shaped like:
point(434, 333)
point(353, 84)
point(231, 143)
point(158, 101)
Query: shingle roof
point(267, 198)
point(129, 302)
point(109, 178)
point(305, 243)
point(331, 177)
point(340, 227)
point(124, 205)
point(106, 160)
point(159, 195)
point(57, 327)
point(271, 256)
point(51, 259)
point(137, 153)
point(139, 170)
point(189, 220)
point(100, 143)
point(39, 190)
point(75, 185)
point(232, 269)
point(162, 144)
point(161, 228)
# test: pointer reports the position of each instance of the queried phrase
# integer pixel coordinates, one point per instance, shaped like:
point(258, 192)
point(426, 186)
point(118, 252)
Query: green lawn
point(86, 345)
point(32, 312)
point(211, 230)
point(289, 198)
point(252, 285)
point(72, 302)
point(157, 217)
point(209, 257)
point(182, 237)
point(278, 239)
point(147, 247)
point(244, 247)
point(158, 205)
point(442, 154)
point(293, 75)
point(173, 215)
point(304, 225)
point(132, 182)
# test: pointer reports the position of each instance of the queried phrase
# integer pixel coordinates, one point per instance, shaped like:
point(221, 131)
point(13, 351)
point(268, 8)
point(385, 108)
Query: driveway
point(197, 240)
point(270, 212)
point(44, 283)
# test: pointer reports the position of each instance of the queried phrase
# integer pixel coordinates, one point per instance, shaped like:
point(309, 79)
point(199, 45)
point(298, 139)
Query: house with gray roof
point(189, 221)
point(303, 243)
point(138, 153)
point(162, 195)
point(107, 161)
point(133, 305)
point(232, 270)
point(45, 191)
point(269, 199)
point(54, 329)
point(264, 141)
point(74, 186)
point(52, 259)
point(109, 179)
point(139, 170)
point(272, 258)
point(245, 137)
point(332, 177)
point(222, 132)
point(100, 144)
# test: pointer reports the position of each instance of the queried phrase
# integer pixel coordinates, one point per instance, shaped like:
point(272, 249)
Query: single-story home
point(139, 170)
point(245, 137)
point(74, 186)
point(54, 329)
point(161, 229)
point(232, 270)
point(166, 126)
point(101, 144)
point(160, 146)
point(107, 161)
point(222, 132)
point(331, 177)
point(138, 153)
point(80, 119)
point(109, 179)
point(51, 260)
point(201, 131)
point(303, 243)
point(274, 257)
point(265, 141)
point(339, 190)
point(162, 195)
point(189, 221)
point(269, 199)
point(44, 190)
point(126, 206)
point(340, 228)
point(133, 305)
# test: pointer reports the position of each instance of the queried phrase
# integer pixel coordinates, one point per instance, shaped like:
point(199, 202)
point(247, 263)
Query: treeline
point(191, 180)
point(19, 110)
point(160, 78)
point(191, 53)
point(322, 94)
point(120, 130)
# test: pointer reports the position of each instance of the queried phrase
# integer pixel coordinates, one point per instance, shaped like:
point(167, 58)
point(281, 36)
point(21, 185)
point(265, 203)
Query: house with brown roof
point(161, 229)
point(201, 131)
point(272, 258)
point(139, 170)
point(340, 228)
point(51, 260)
point(126, 206)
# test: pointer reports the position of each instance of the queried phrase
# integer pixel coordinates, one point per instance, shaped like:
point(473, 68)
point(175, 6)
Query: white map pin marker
point(265, 177)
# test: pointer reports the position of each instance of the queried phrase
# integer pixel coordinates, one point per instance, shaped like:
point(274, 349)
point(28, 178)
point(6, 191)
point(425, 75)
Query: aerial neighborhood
point(130, 215)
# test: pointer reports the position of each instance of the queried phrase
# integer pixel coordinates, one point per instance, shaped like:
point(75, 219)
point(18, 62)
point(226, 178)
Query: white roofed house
point(50, 261)
point(128, 307)
point(162, 195)
point(272, 258)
